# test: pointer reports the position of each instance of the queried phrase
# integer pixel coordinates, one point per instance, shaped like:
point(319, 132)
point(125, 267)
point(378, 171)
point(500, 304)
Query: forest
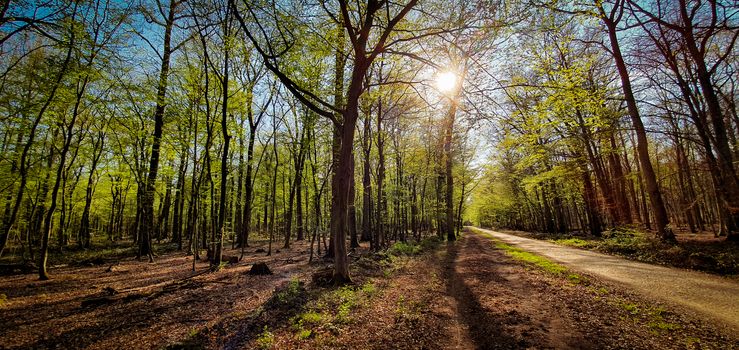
point(341, 148)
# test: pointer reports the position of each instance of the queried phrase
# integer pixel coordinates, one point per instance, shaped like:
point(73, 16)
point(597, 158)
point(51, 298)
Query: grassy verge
point(708, 255)
point(533, 259)
point(656, 318)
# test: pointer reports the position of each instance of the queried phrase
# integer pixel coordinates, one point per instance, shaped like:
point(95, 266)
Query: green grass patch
point(311, 318)
point(305, 334)
point(692, 343)
point(660, 326)
point(404, 248)
point(574, 242)
point(266, 339)
point(541, 262)
point(347, 300)
point(631, 308)
point(293, 290)
point(576, 279)
point(408, 310)
point(652, 316)
point(522, 255)
point(369, 289)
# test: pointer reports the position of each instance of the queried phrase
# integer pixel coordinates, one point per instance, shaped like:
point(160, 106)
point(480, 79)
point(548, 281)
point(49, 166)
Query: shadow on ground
point(487, 329)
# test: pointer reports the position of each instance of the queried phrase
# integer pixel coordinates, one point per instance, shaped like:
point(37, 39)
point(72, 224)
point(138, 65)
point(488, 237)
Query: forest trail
point(707, 295)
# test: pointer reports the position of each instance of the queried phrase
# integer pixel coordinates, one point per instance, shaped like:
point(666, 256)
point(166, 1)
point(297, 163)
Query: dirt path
point(708, 296)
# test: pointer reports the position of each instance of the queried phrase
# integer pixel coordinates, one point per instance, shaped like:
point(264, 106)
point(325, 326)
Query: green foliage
point(631, 308)
point(310, 318)
point(430, 243)
point(408, 310)
point(193, 332)
point(409, 248)
point(662, 326)
point(403, 248)
point(369, 289)
point(653, 316)
point(347, 300)
point(576, 279)
point(643, 246)
point(292, 291)
point(574, 242)
point(266, 339)
point(304, 334)
point(692, 343)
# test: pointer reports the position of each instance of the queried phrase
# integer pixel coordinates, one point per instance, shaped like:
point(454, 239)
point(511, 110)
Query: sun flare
point(446, 81)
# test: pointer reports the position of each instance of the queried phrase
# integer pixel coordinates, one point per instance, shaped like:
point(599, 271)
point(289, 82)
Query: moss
point(3, 299)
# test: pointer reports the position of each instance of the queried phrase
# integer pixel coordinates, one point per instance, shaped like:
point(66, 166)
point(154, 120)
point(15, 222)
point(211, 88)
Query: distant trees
point(567, 156)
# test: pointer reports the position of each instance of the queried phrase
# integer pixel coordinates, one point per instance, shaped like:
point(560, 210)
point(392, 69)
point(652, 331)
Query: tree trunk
point(448, 163)
point(650, 179)
point(85, 220)
point(148, 198)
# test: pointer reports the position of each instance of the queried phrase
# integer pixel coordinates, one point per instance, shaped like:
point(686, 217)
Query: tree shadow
point(487, 329)
point(236, 331)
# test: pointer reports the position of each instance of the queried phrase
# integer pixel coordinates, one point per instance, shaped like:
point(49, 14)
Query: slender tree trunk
point(148, 204)
point(448, 163)
point(650, 178)
point(352, 211)
point(69, 128)
point(90, 189)
point(381, 199)
point(226, 143)
point(179, 200)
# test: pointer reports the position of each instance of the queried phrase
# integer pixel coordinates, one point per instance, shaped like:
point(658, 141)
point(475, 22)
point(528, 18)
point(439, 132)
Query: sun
point(446, 81)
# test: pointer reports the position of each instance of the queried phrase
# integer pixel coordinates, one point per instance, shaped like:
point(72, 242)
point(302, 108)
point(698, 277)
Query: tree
point(147, 226)
point(359, 29)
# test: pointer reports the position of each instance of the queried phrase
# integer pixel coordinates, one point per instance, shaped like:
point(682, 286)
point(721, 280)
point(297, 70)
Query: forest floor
point(473, 293)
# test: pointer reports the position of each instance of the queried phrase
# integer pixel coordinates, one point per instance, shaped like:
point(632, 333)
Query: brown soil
point(462, 295)
point(148, 305)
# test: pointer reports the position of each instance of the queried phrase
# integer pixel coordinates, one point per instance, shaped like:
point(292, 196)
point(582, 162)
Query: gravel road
point(708, 296)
